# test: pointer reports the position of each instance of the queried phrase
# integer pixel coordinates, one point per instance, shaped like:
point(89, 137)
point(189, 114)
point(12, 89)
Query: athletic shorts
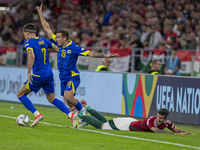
point(119, 124)
point(47, 83)
point(69, 84)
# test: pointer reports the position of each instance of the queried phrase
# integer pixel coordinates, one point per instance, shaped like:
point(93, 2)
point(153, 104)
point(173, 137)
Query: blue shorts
point(70, 84)
point(47, 83)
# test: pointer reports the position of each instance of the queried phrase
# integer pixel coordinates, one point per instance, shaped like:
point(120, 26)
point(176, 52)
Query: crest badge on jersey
point(69, 51)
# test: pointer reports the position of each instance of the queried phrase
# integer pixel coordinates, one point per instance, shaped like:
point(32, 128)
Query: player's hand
point(30, 79)
point(39, 9)
point(192, 134)
point(185, 133)
point(113, 55)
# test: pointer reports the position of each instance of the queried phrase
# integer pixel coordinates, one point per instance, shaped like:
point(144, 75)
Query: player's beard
point(158, 122)
point(60, 44)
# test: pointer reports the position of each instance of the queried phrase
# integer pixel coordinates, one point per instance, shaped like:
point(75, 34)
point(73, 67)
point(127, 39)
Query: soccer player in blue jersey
point(67, 58)
point(42, 75)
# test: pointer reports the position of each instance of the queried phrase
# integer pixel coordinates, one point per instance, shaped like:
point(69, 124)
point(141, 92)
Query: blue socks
point(60, 105)
point(78, 106)
point(27, 103)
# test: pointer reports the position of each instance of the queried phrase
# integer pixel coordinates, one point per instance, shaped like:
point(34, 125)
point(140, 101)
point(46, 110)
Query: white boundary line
point(130, 137)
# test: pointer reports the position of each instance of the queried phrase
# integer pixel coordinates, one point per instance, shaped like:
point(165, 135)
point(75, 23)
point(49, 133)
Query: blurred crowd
point(109, 23)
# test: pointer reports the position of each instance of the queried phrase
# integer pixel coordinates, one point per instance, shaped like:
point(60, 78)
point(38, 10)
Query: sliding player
point(151, 124)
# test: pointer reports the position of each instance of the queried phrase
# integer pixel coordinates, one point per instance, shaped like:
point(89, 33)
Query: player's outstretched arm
point(45, 25)
point(179, 131)
point(157, 130)
point(101, 55)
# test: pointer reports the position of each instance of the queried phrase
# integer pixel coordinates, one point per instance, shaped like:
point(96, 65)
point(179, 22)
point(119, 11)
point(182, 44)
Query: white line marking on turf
point(130, 137)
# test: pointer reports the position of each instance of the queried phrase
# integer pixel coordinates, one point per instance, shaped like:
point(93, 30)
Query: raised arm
point(54, 49)
point(45, 25)
point(101, 55)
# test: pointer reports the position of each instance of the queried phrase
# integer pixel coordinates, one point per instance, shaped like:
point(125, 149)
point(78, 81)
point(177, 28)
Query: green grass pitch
point(54, 137)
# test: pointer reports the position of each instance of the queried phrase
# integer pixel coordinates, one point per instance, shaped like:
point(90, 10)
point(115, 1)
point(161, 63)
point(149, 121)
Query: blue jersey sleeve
point(28, 46)
point(49, 44)
point(81, 51)
point(53, 39)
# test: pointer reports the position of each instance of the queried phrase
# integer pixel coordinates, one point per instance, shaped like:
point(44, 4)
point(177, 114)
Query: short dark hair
point(30, 27)
point(154, 61)
point(164, 112)
point(64, 33)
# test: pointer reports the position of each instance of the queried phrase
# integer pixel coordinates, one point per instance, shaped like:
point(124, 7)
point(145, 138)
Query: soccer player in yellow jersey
point(67, 58)
point(42, 75)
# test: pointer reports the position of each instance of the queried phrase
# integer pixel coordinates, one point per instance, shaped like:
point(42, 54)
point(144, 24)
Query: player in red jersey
point(155, 124)
point(151, 124)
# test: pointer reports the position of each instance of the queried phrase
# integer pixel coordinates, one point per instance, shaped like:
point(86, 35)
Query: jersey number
point(44, 51)
point(63, 54)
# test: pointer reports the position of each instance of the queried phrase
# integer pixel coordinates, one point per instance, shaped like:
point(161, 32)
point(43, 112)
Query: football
point(23, 120)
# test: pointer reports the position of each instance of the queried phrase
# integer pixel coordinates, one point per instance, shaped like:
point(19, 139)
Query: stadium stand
point(140, 25)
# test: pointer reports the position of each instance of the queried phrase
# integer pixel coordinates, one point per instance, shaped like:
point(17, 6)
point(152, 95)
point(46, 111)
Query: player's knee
point(68, 98)
point(19, 94)
point(50, 99)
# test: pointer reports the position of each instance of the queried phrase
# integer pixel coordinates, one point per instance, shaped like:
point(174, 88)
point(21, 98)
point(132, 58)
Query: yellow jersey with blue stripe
point(67, 58)
point(41, 66)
